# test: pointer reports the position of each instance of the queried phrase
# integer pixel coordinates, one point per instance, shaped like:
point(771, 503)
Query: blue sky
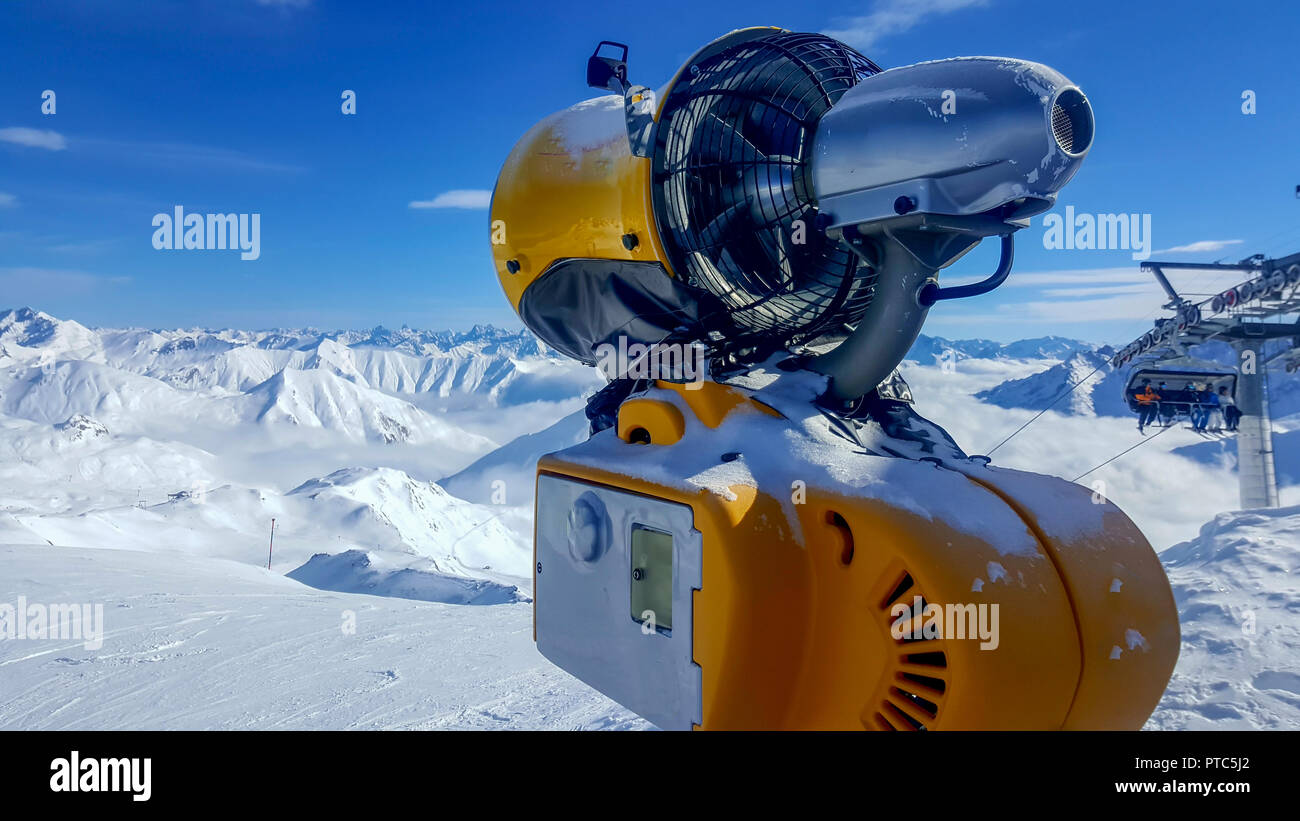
point(234, 106)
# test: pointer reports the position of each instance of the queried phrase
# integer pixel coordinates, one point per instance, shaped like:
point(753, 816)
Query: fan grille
point(733, 191)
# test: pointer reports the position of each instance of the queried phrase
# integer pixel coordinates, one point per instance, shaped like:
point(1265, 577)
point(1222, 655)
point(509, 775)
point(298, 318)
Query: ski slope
point(200, 643)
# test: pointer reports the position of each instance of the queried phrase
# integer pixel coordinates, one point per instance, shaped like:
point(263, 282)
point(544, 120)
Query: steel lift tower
point(1263, 307)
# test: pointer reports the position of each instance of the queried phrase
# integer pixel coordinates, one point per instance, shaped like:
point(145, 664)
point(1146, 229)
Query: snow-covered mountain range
point(399, 464)
point(193, 440)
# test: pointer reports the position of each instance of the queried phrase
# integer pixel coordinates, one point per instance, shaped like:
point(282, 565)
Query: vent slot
point(895, 716)
point(914, 699)
point(925, 705)
point(935, 685)
point(904, 585)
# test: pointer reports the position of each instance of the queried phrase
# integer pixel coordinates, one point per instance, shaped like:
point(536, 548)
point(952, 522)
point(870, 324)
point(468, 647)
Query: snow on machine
point(761, 532)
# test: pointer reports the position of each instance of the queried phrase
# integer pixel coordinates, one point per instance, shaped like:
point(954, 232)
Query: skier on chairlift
point(1214, 419)
point(1149, 402)
point(1231, 413)
point(1207, 401)
point(1167, 408)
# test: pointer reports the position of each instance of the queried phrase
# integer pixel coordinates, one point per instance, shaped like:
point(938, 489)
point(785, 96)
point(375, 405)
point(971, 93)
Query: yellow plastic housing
point(571, 189)
point(796, 634)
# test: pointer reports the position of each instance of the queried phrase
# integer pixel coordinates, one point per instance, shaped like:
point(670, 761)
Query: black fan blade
point(729, 145)
point(724, 223)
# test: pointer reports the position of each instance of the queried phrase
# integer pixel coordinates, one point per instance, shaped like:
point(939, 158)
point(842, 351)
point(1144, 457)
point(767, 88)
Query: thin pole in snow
point(272, 545)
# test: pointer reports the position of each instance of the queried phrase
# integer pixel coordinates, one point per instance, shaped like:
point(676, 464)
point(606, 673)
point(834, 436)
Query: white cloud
point(182, 155)
point(1128, 307)
point(1079, 276)
point(34, 138)
point(7, 200)
point(889, 17)
point(1148, 288)
point(473, 199)
point(1060, 298)
point(1059, 313)
point(1048, 279)
point(1200, 247)
point(93, 246)
point(28, 284)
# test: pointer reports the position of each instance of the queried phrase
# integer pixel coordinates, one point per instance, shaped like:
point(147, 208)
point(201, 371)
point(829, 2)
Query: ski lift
point(1183, 388)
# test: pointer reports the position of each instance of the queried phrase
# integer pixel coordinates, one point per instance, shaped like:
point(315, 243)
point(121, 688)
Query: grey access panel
point(583, 596)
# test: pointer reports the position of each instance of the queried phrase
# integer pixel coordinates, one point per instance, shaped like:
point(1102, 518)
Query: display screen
point(652, 577)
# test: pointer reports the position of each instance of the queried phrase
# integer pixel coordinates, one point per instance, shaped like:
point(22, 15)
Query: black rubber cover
point(579, 304)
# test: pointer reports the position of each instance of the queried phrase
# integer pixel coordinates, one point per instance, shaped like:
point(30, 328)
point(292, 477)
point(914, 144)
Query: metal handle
point(931, 293)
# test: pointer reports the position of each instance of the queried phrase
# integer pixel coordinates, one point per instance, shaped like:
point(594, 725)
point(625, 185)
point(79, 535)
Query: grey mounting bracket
point(610, 74)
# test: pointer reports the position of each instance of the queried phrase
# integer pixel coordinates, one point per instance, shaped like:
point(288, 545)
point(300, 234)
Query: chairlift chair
point(1178, 398)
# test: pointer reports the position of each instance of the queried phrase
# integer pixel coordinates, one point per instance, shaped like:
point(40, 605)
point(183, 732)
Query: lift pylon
point(1262, 308)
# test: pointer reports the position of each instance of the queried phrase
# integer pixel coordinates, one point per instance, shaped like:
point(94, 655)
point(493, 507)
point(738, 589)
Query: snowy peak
point(80, 427)
point(386, 506)
point(419, 342)
point(483, 361)
point(1045, 347)
point(335, 358)
point(33, 335)
point(930, 350)
point(367, 484)
point(1087, 372)
point(52, 392)
point(323, 400)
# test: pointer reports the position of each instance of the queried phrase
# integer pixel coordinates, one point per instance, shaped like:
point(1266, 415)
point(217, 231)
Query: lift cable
point(1070, 390)
point(1271, 241)
point(1058, 398)
point(1122, 452)
point(1061, 395)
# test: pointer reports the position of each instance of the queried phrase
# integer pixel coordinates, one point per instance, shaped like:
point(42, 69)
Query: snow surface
point(193, 642)
point(359, 571)
point(1237, 585)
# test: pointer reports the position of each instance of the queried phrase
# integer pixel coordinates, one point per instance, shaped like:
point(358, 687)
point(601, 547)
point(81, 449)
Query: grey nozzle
point(922, 162)
point(970, 137)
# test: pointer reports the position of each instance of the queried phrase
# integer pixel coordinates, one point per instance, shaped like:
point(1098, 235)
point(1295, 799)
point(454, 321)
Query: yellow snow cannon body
point(761, 532)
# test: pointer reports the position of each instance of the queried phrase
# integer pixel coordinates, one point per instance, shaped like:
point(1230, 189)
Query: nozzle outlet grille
point(1072, 121)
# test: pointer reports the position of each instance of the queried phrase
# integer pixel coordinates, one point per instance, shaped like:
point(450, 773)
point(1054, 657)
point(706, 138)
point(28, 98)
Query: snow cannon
point(761, 532)
point(780, 189)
